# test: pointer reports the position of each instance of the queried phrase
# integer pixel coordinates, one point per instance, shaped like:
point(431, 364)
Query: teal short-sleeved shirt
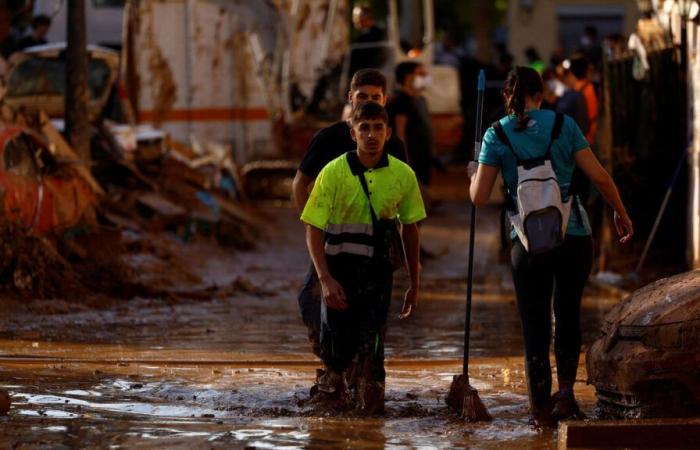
point(532, 143)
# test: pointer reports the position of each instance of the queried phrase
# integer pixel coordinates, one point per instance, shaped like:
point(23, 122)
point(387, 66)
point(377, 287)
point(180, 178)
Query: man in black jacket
point(367, 85)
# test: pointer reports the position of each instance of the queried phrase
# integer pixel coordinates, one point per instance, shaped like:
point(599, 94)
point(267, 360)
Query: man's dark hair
point(41, 20)
point(404, 69)
point(579, 67)
point(368, 111)
point(368, 77)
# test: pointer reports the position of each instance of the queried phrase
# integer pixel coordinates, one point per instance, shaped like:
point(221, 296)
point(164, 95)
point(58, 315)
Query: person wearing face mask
point(410, 119)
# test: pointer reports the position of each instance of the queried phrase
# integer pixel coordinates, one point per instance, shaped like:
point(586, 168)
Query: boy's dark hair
point(368, 77)
point(404, 69)
point(579, 67)
point(368, 111)
point(41, 20)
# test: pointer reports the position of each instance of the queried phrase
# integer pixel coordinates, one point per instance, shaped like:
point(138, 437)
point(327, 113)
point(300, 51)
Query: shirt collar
point(356, 166)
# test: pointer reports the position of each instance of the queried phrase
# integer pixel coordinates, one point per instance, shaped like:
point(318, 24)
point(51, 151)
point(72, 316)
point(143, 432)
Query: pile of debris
point(164, 185)
point(73, 224)
point(64, 228)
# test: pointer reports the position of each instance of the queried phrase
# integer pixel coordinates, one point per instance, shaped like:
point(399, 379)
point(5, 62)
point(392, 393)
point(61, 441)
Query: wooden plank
point(237, 211)
point(161, 205)
point(648, 433)
point(61, 148)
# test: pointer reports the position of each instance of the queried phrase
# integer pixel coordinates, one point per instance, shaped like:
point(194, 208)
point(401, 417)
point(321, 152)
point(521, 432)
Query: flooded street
point(234, 371)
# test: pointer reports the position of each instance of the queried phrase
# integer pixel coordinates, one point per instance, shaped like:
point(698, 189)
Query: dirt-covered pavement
point(233, 371)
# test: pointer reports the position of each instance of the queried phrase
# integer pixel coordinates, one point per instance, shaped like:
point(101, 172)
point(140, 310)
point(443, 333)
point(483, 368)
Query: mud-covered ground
point(233, 371)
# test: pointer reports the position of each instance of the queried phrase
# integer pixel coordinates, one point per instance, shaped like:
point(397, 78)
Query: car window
point(47, 76)
point(18, 157)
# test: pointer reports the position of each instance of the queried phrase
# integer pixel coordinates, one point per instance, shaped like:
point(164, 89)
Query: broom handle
point(481, 84)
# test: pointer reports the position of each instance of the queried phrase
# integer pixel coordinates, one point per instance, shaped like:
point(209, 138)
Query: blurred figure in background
point(572, 102)
point(534, 60)
point(368, 54)
point(581, 69)
point(410, 119)
point(40, 29)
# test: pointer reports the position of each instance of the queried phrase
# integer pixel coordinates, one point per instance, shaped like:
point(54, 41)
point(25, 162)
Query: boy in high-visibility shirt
point(346, 236)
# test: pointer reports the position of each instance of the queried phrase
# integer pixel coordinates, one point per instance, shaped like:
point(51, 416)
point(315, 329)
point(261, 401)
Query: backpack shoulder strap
point(556, 131)
point(558, 123)
point(501, 133)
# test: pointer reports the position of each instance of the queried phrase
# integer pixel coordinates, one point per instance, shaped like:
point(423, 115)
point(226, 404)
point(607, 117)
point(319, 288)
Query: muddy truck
point(264, 76)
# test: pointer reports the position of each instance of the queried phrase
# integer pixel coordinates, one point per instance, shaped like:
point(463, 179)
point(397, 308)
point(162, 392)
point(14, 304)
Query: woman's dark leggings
point(563, 271)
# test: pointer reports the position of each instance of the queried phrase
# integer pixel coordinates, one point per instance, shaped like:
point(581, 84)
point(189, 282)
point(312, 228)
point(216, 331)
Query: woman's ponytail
point(521, 83)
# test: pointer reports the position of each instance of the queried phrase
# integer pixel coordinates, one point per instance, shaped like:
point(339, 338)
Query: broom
point(463, 398)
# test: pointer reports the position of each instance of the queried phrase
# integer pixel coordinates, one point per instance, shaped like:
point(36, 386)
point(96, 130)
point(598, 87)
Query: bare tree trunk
point(482, 31)
point(77, 95)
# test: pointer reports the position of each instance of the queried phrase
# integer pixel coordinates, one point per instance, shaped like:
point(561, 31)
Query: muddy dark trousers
point(310, 308)
point(356, 334)
point(564, 272)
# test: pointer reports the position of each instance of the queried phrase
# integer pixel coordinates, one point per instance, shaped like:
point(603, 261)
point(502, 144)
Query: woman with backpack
point(537, 151)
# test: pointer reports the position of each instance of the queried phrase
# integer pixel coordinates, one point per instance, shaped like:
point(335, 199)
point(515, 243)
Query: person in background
point(369, 54)
point(40, 29)
point(572, 102)
point(534, 60)
point(410, 119)
point(580, 67)
point(592, 50)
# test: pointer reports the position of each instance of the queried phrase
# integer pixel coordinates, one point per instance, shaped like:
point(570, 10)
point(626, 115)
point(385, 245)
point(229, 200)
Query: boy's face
point(370, 135)
point(367, 93)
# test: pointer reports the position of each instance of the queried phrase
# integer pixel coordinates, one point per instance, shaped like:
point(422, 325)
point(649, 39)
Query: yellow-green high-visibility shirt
point(339, 206)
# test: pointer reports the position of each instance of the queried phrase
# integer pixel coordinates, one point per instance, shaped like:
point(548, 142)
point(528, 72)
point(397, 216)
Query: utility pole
point(77, 95)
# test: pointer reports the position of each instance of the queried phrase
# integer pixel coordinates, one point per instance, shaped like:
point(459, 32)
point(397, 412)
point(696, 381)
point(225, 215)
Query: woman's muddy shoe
point(565, 408)
point(541, 417)
point(329, 382)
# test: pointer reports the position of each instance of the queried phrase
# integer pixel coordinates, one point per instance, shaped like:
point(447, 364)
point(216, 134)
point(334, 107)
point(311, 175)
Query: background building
point(547, 24)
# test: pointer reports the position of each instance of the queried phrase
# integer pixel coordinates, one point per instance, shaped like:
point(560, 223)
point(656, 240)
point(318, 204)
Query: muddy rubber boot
point(314, 389)
point(370, 396)
point(329, 382)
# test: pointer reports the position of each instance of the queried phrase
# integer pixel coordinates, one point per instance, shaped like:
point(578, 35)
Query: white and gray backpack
point(538, 214)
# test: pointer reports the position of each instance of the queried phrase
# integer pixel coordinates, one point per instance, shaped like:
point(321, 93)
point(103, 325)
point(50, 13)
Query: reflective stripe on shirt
point(354, 228)
point(350, 247)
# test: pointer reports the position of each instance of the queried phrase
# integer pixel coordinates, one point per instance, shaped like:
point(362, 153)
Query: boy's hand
point(410, 301)
point(333, 293)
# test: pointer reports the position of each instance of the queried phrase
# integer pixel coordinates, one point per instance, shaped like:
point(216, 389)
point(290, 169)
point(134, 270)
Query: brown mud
point(234, 369)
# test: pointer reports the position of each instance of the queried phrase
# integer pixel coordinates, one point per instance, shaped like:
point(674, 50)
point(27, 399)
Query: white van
point(103, 19)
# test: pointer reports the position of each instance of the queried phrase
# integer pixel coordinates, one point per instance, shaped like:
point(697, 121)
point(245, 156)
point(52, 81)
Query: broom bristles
point(465, 401)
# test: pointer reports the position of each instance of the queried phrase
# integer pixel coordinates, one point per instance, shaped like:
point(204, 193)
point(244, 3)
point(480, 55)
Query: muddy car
point(34, 191)
point(36, 80)
point(646, 362)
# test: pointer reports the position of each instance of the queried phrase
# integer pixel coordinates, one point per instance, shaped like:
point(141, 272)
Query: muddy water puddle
point(146, 406)
point(234, 372)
